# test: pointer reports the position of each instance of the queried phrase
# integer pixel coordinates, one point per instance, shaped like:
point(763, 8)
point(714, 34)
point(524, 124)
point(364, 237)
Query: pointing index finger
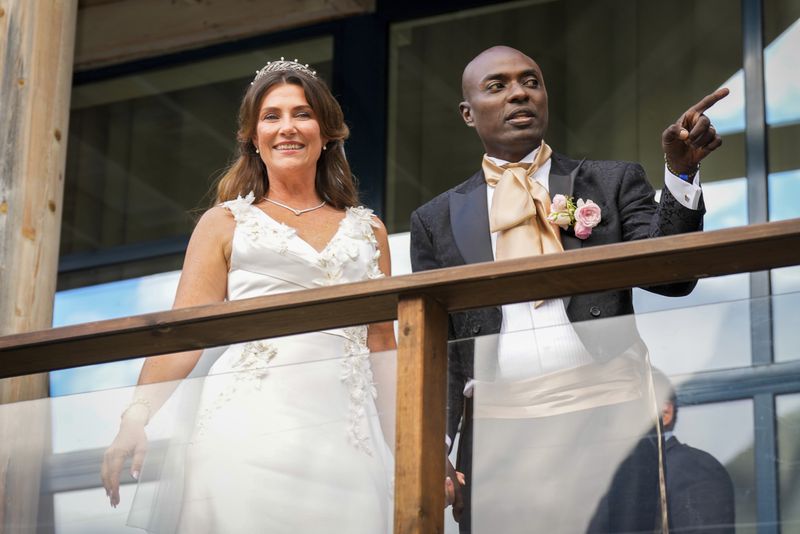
point(709, 100)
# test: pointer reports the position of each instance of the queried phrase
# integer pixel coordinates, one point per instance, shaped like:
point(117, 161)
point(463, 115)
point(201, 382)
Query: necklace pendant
point(296, 211)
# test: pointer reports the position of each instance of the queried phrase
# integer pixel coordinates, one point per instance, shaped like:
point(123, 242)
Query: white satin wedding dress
point(288, 438)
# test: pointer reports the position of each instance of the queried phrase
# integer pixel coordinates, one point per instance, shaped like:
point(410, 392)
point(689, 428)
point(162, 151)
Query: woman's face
point(287, 133)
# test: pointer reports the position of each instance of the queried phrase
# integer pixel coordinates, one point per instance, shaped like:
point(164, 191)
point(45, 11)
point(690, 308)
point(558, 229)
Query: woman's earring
point(257, 152)
point(324, 147)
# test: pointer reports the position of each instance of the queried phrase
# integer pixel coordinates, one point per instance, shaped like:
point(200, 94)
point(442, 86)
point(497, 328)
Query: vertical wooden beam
point(421, 399)
point(37, 40)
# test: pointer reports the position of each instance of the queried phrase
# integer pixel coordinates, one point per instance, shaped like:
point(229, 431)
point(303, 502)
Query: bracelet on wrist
point(685, 176)
point(144, 403)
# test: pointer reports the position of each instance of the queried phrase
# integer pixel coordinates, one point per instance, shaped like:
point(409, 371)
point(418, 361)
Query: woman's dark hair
point(334, 182)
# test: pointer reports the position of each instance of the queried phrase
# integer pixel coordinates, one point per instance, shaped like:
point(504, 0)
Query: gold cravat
point(519, 209)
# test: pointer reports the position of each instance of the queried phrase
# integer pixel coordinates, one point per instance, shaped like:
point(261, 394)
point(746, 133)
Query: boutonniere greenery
point(581, 216)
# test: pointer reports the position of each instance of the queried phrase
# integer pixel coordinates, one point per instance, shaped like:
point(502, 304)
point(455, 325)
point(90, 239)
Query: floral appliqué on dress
point(256, 228)
point(357, 377)
point(355, 228)
point(249, 370)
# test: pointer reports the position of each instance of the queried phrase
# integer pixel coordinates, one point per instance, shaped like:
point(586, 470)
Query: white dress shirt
point(539, 341)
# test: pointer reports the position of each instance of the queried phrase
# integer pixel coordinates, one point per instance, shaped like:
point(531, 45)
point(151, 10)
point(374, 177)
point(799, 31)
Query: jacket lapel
point(469, 221)
point(564, 184)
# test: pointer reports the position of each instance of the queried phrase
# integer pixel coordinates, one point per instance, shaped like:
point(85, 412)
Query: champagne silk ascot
point(519, 209)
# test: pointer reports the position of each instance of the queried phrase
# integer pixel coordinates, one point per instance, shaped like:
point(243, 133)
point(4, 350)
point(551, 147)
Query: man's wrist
point(685, 174)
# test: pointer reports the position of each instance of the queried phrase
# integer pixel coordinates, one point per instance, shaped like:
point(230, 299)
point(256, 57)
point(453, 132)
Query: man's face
point(506, 102)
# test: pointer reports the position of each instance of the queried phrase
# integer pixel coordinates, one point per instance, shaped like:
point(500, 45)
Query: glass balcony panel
point(564, 420)
point(710, 467)
point(786, 287)
point(562, 441)
point(289, 429)
point(788, 419)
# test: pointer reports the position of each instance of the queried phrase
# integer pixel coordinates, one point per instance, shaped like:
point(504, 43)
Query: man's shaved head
point(476, 68)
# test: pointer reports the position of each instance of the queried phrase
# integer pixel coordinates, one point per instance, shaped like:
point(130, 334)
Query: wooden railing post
point(421, 398)
point(36, 51)
point(37, 41)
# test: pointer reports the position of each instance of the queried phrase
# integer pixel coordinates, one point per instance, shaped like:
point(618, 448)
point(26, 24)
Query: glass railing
point(552, 425)
point(788, 411)
point(564, 434)
point(292, 434)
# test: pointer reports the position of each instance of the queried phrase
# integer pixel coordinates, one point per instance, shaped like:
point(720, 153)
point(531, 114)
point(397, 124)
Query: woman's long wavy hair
point(334, 182)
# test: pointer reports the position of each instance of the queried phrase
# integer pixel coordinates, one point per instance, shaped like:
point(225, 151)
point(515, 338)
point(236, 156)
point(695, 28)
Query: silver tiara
point(283, 65)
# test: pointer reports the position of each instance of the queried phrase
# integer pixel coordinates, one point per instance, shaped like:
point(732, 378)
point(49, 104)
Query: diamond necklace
point(294, 210)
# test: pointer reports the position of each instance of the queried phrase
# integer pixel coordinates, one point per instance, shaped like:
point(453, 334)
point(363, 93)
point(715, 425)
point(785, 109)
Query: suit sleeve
point(422, 256)
point(459, 353)
point(641, 218)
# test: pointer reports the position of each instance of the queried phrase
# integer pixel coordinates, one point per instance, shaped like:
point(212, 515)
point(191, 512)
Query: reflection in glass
point(785, 334)
point(123, 298)
point(782, 81)
point(565, 443)
point(699, 488)
point(699, 338)
point(788, 418)
point(305, 434)
point(549, 431)
point(711, 445)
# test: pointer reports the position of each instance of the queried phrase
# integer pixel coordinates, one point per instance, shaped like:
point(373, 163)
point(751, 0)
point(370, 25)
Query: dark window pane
point(617, 74)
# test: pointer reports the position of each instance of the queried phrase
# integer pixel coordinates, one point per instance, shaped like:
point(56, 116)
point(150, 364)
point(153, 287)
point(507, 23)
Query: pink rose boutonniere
point(581, 215)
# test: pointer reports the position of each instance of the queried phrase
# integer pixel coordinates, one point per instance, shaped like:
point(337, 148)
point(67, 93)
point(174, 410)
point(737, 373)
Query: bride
point(287, 436)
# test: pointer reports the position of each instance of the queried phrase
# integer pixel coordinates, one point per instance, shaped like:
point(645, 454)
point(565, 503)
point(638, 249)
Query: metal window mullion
point(756, 168)
point(765, 446)
point(766, 454)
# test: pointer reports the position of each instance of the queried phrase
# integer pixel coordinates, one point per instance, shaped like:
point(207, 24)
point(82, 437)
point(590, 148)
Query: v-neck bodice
point(274, 222)
point(268, 257)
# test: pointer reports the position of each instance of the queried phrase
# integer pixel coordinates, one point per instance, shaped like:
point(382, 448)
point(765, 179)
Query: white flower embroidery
point(256, 228)
point(249, 370)
point(355, 228)
point(357, 377)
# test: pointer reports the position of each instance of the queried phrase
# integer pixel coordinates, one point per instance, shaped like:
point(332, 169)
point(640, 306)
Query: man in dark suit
point(700, 495)
point(499, 213)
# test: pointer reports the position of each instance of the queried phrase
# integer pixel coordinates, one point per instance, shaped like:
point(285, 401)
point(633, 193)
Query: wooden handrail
point(653, 261)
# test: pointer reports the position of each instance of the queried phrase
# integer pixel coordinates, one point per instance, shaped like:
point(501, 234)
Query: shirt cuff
point(688, 194)
point(469, 386)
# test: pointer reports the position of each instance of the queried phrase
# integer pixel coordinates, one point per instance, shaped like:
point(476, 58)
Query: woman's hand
point(131, 440)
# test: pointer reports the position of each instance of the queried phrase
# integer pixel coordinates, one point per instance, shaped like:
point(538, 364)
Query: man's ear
point(466, 113)
point(668, 414)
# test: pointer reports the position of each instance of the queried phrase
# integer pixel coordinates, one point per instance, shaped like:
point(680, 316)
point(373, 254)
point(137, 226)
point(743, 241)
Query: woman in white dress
point(287, 435)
